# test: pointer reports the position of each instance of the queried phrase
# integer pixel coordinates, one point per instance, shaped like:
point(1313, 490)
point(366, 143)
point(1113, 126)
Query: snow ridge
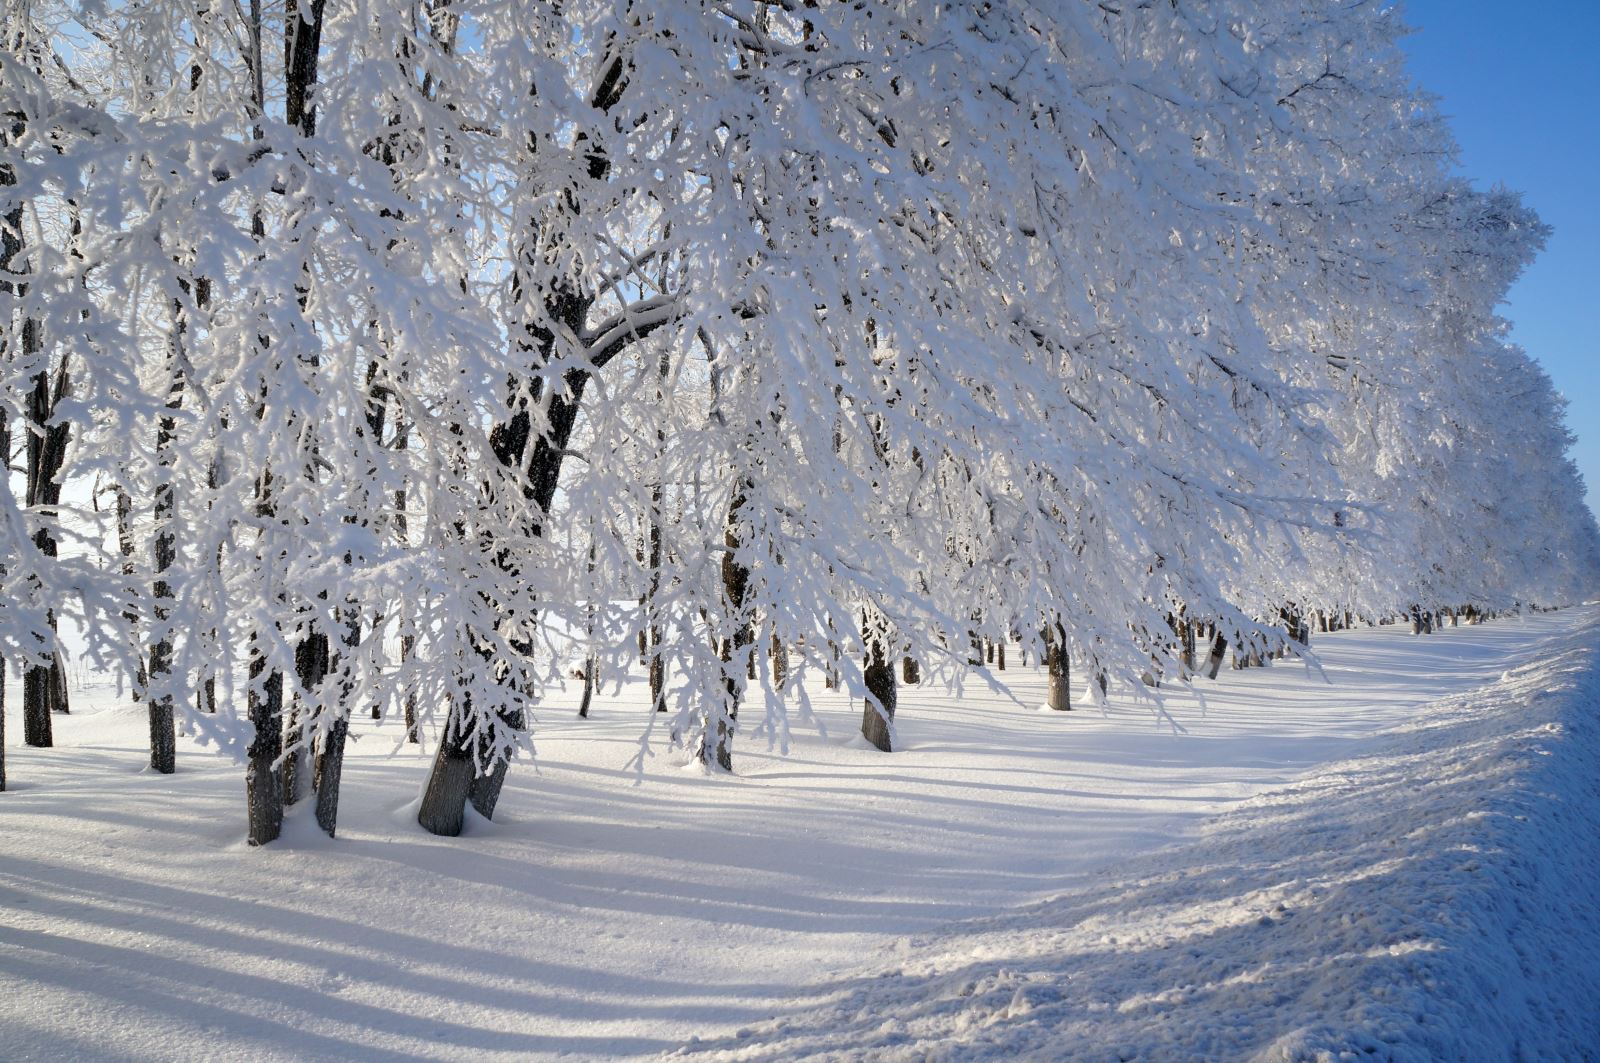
point(1431, 897)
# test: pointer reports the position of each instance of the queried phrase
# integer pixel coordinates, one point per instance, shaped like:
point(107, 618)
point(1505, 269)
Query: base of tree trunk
point(37, 705)
point(716, 746)
point(588, 687)
point(262, 782)
point(484, 790)
point(658, 682)
point(163, 737)
point(877, 715)
point(1219, 652)
point(330, 772)
point(297, 765)
point(1059, 670)
point(444, 802)
point(58, 687)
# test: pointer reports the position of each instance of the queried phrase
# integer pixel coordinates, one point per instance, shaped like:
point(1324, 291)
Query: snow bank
point(1434, 896)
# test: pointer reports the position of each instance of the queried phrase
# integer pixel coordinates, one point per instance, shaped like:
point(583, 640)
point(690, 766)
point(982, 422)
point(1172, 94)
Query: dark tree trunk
point(1188, 630)
point(658, 679)
point(311, 666)
point(566, 307)
point(44, 690)
point(330, 771)
point(163, 737)
point(658, 663)
point(376, 712)
point(484, 791)
point(1219, 652)
point(1058, 668)
point(296, 766)
point(717, 737)
point(656, 667)
point(910, 671)
point(779, 652)
point(647, 603)
point(10, 246)
point(45, 443)
point(44, 686)
point(163, 740)
point(36, 726)
point(408, 644)
point(1000, 655)
point(215, 473)
point(130, 615)
point(588, 686)
point(444, 802)
point(877, 716)
point(408, 639)
point(263, 783)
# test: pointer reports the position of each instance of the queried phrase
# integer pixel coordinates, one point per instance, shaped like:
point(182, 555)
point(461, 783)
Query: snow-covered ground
point(994, 890)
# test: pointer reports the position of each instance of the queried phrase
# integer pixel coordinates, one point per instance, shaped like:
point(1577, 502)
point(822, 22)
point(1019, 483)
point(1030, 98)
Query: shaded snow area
point(1310, 866)
point(1434, 896)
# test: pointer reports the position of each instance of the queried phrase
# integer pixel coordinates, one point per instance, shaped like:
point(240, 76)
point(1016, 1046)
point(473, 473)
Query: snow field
point(1431, 896)
point(1381, 895)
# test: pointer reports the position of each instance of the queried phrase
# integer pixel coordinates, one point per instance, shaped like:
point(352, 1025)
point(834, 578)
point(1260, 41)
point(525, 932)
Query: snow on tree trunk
point(716, 740)
point(877, 714)
point(44, 690)
point(1058, 668)
point(1219, 653)
point(263, 781)
point(311, 667)
point(163, 737)
point(130, 615)
point(330, 773)
point(484, 790)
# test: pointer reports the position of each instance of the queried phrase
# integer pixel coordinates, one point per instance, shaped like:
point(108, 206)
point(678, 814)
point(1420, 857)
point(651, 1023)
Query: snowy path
point(600, 919)
point(1433, 897)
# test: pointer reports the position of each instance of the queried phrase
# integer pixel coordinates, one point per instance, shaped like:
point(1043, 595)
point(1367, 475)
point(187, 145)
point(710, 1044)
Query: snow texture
point(1431, 897)
point(1420, 893)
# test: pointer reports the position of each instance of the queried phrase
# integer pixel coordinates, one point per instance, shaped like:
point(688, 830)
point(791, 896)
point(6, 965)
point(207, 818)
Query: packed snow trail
point(1433, 897)
point(601, 919)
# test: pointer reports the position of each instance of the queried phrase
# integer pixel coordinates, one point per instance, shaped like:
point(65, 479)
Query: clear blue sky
point(1522, 88)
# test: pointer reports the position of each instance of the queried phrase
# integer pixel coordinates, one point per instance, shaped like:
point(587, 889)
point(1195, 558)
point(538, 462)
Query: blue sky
point(1522, 89)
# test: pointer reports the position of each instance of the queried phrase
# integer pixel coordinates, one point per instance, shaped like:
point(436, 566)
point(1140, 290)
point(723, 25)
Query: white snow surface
point(1394, 862)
